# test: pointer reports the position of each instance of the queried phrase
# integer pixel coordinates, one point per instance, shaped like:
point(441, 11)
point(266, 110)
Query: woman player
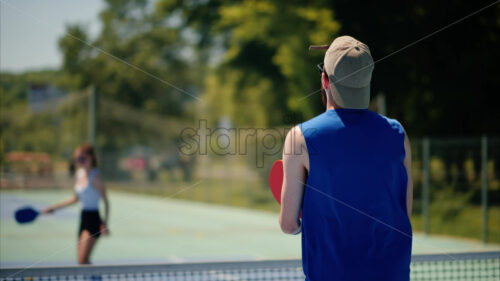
point(89, 188)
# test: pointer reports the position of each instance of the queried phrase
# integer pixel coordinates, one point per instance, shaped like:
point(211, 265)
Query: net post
point(92, 116)
point(425, 182)
point(484, 186)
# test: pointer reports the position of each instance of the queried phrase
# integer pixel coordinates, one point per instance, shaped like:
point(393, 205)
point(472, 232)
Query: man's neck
point(330, 107)
point(330, 103)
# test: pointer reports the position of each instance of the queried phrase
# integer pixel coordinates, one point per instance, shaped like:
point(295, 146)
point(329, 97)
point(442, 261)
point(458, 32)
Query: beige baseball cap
point(349, 66)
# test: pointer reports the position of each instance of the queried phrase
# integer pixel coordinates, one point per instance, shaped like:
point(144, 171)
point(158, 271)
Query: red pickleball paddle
point(276, 179)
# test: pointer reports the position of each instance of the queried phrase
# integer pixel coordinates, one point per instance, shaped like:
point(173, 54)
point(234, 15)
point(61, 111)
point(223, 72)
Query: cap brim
point(352, 98)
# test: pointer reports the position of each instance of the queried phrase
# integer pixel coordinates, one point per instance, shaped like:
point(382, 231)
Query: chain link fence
point(457, 180)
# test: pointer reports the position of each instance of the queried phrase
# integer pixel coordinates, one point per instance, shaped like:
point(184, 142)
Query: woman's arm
point(99, 185)
point(72, 200)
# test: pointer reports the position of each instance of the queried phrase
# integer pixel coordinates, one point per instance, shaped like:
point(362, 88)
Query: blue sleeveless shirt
point(354, 216)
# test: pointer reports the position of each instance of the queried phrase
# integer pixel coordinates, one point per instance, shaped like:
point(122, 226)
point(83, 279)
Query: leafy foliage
point(248, 60)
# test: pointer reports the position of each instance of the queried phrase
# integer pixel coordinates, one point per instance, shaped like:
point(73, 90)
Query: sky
point(30, 30)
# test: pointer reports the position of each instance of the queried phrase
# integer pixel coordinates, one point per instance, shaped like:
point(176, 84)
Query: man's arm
point(295, 160)
point(409, 188)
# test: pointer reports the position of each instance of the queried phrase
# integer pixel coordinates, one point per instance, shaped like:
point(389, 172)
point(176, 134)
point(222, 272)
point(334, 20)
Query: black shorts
point(90, 221)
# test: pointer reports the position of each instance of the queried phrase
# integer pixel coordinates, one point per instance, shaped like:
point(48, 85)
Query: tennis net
point(462, 266)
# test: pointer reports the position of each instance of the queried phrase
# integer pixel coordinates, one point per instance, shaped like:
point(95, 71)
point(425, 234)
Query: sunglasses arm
point(318, 47)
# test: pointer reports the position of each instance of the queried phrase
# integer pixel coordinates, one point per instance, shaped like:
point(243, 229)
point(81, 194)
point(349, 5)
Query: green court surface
point(154, 229)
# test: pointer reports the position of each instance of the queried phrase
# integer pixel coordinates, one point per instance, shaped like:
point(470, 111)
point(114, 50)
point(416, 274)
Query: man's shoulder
point(392, 122)
point(387, 125)
point(314, 122)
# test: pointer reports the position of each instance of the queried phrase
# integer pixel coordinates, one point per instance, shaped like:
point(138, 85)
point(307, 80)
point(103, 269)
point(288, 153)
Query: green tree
point(267, 61)
point(262, 67)
point(138, 60)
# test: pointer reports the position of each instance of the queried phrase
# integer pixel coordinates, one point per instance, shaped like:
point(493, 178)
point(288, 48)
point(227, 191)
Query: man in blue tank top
point(348, 173)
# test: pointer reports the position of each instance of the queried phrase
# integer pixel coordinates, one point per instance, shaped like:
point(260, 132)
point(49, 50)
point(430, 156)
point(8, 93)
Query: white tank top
point(87, 194)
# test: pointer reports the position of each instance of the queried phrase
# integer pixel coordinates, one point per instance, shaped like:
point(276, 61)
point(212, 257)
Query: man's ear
point(324, 80)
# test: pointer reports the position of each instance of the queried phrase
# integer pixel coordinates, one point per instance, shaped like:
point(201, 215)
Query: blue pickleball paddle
point(26, 214)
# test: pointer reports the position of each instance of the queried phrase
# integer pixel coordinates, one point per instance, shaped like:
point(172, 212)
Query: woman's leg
point(85, 246)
